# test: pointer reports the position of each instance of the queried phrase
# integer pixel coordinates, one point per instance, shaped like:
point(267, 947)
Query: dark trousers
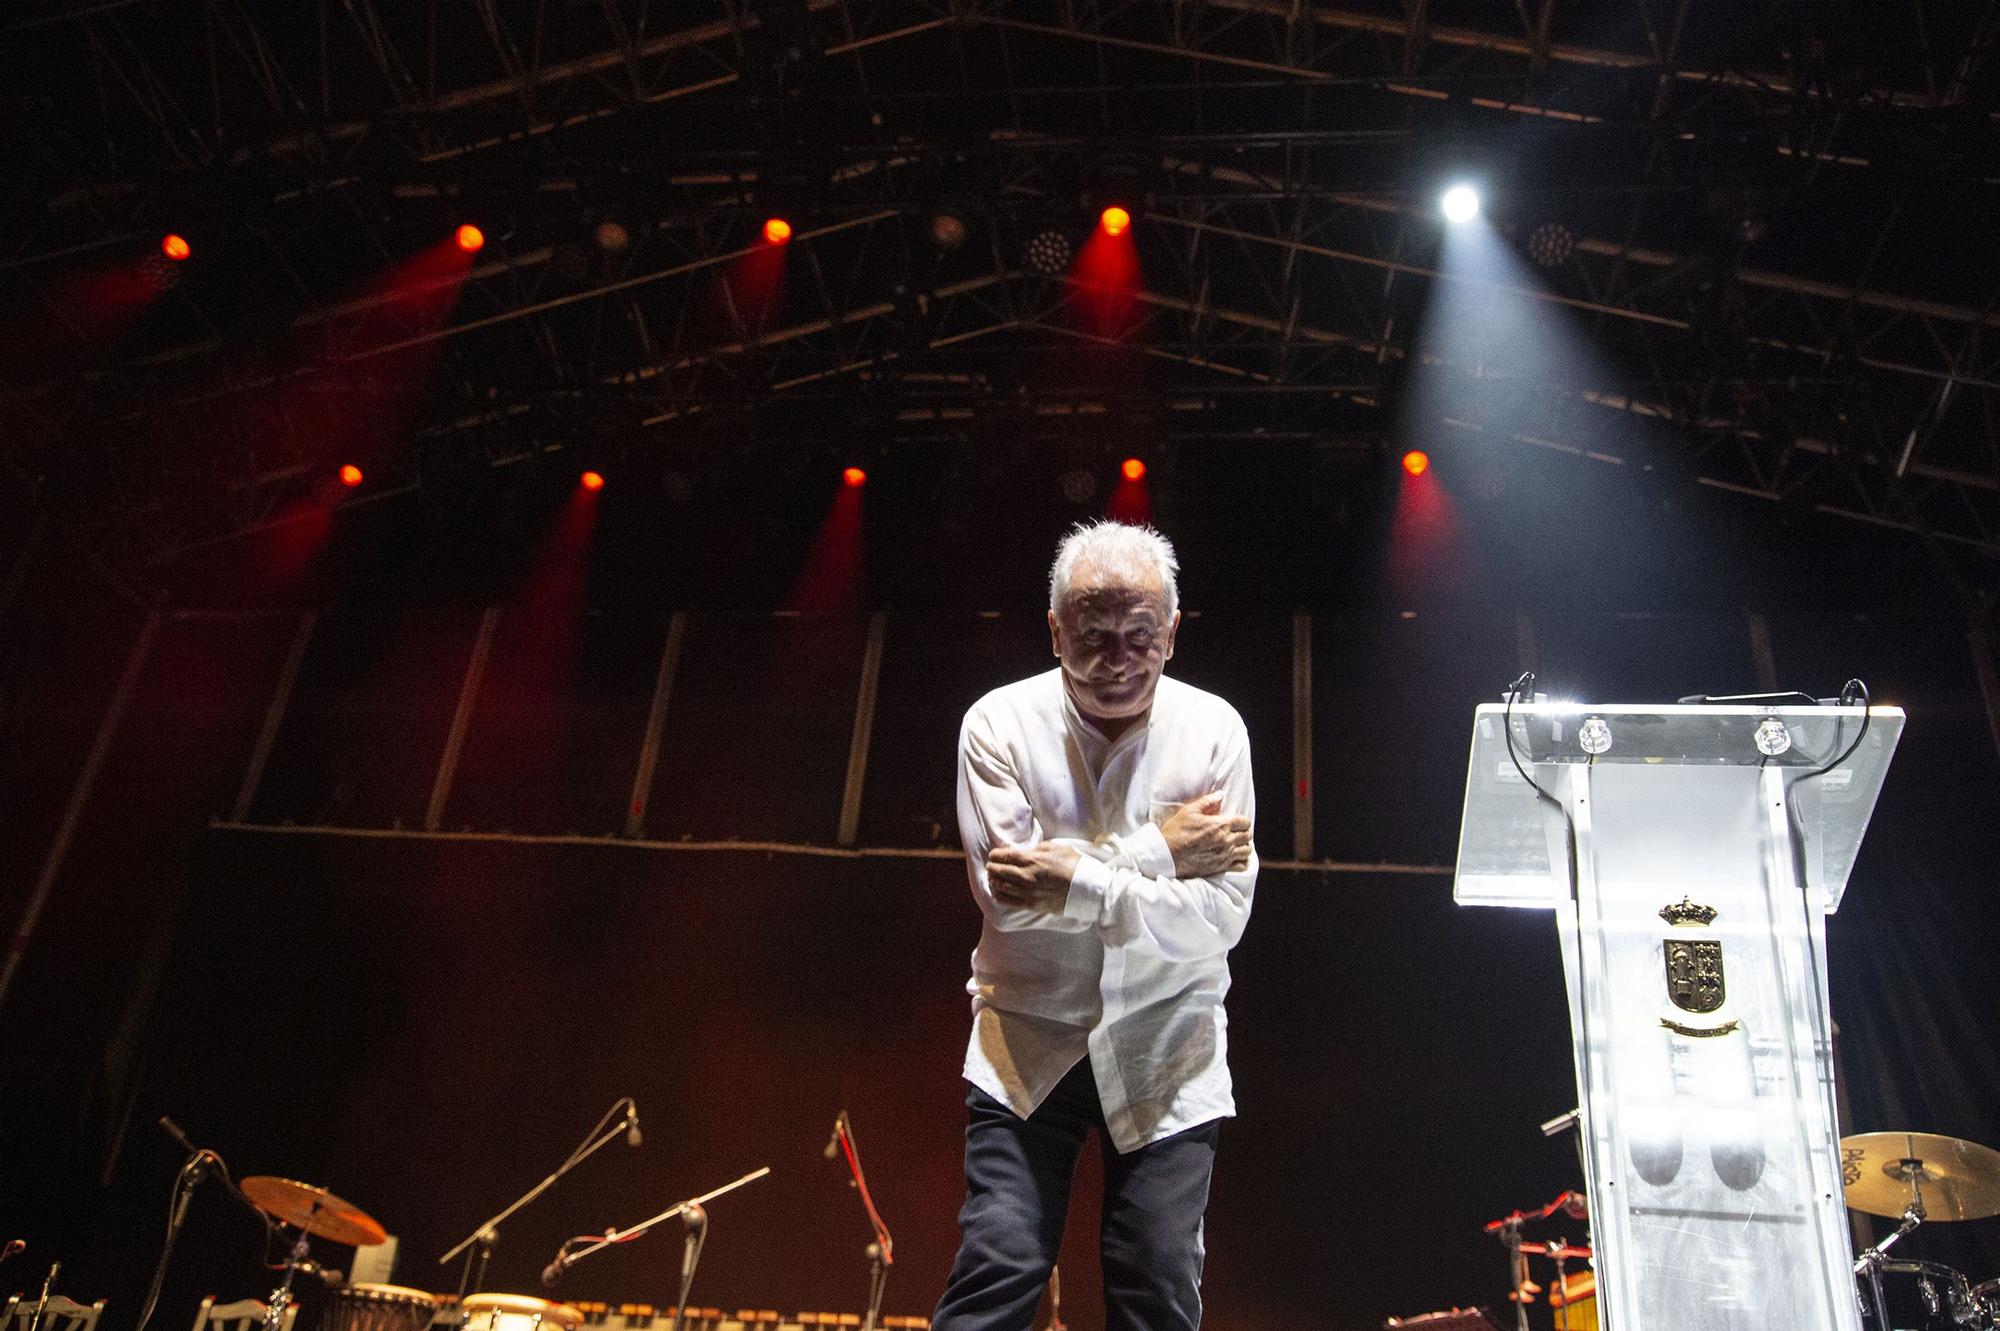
point(1017, 1182)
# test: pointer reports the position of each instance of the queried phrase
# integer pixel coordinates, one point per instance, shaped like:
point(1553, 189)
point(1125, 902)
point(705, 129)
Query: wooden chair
point(62, 1314)
point(242, 1315)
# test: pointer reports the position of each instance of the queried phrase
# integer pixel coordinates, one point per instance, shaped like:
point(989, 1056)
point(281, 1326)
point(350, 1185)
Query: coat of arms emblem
point(1696, 984)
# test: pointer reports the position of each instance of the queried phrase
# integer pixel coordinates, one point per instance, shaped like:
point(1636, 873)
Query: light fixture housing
point(1459, 204)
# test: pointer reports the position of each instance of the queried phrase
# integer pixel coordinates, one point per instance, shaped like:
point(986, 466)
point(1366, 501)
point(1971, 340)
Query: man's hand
point(1031, 877)
point(1205, 840)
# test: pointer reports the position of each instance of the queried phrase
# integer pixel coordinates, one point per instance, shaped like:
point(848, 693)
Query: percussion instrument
point(1935, 1178)
point(1920, 1296)
point(313, 1210)
point(518, 1312)
point(366, 1307)
point(1575, 1302)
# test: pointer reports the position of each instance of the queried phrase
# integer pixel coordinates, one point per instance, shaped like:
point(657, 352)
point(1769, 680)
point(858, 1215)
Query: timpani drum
point(518, 1312)
point(366, 1307)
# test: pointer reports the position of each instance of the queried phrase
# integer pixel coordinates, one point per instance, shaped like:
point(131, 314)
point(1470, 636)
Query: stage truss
point(1775, 221)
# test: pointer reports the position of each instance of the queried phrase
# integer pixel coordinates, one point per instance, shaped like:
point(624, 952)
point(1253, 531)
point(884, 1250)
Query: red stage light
point(591, 480)
point(175, 247)
point(470, 238)
point(1416, 462)
point(1116, 220)
point(1132, 469)
point(350, 475)
point(853, 476)
point(777, 230)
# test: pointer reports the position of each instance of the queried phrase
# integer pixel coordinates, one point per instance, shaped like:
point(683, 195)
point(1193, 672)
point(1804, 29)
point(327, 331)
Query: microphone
point(330, 1276)
point(697, 1231)
point(1562, 1123)
point(14, 1248)
point(1575, 1205)
point(833, 1141)
point(173, 1130)
point(633, 1136)
point(555, 1270)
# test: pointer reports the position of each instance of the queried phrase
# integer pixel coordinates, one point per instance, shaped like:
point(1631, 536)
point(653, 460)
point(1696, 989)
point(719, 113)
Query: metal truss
point(1775, 230)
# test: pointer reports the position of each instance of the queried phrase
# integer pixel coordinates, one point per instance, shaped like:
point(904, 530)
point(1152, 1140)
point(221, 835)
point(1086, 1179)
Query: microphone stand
point(697, 1236)
point(201, 1163)
point(881, 1253)
point(42, 1305)
point(488, 1233)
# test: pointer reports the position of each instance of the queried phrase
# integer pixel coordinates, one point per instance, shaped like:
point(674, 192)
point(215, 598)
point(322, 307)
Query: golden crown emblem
point(1688, 911)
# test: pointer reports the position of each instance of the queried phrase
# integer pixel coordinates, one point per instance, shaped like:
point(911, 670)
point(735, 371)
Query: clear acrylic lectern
point(1691, 854)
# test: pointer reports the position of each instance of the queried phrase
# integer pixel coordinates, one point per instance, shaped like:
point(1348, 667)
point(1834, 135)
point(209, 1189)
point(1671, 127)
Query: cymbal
point(315, 1210)
point(1955, 1180)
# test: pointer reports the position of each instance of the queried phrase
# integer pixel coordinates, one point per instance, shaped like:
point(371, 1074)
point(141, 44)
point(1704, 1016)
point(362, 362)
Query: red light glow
point(350, 475)
point(591, 480)
point(175, 247)
point(1416, 462)
point(1116, 221)
point(1132, 469)
point(777, 230)
point(853, 476)
point(470, 238)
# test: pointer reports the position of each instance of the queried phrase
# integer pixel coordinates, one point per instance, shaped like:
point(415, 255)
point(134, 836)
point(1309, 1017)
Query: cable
point(1847, 693)
point(177, 1203)
point(1526, 680)
point(591, 1136)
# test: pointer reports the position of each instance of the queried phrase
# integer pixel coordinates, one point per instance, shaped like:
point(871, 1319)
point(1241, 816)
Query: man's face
point(1114, 637)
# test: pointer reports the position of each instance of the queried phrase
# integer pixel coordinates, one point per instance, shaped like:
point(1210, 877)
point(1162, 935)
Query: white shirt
point(1134, 969)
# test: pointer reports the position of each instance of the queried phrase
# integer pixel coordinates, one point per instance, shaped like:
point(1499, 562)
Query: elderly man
point(1106, 817)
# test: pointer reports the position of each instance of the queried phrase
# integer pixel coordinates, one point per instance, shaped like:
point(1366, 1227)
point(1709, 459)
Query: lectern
point(1691, 855)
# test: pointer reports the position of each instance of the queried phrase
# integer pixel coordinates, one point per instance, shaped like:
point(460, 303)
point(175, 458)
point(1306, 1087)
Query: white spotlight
point(1460, 204)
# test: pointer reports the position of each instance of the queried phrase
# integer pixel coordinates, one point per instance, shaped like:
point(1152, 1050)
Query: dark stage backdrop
point(428, 1030)
point(427, 1027)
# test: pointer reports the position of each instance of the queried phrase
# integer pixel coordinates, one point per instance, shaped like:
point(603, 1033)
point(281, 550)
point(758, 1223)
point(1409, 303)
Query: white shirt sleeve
point(1181, 919)
point(993, 810)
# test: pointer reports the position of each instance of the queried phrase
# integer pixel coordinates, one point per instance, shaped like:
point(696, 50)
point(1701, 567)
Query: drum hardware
point(1915, 1177)
point(479, 1244)
point(1923, 1296)
point(881, 1253)
point(1564, 1298)
point(201, 1163)
point(312, 1211)
point(697, 1235)
point(1508, 1228)
point(1986, 1297)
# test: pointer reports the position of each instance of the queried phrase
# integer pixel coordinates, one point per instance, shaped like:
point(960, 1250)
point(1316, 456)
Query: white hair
point(1139, 553)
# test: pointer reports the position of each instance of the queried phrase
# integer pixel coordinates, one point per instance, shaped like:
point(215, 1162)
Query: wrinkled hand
point(1031, 877)
point(1205, 840)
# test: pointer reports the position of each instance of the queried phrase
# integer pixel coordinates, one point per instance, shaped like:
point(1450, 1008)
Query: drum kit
point(304, 1212)
point(1910, 1177)
point(1914, 1177)
point(361, 1306)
